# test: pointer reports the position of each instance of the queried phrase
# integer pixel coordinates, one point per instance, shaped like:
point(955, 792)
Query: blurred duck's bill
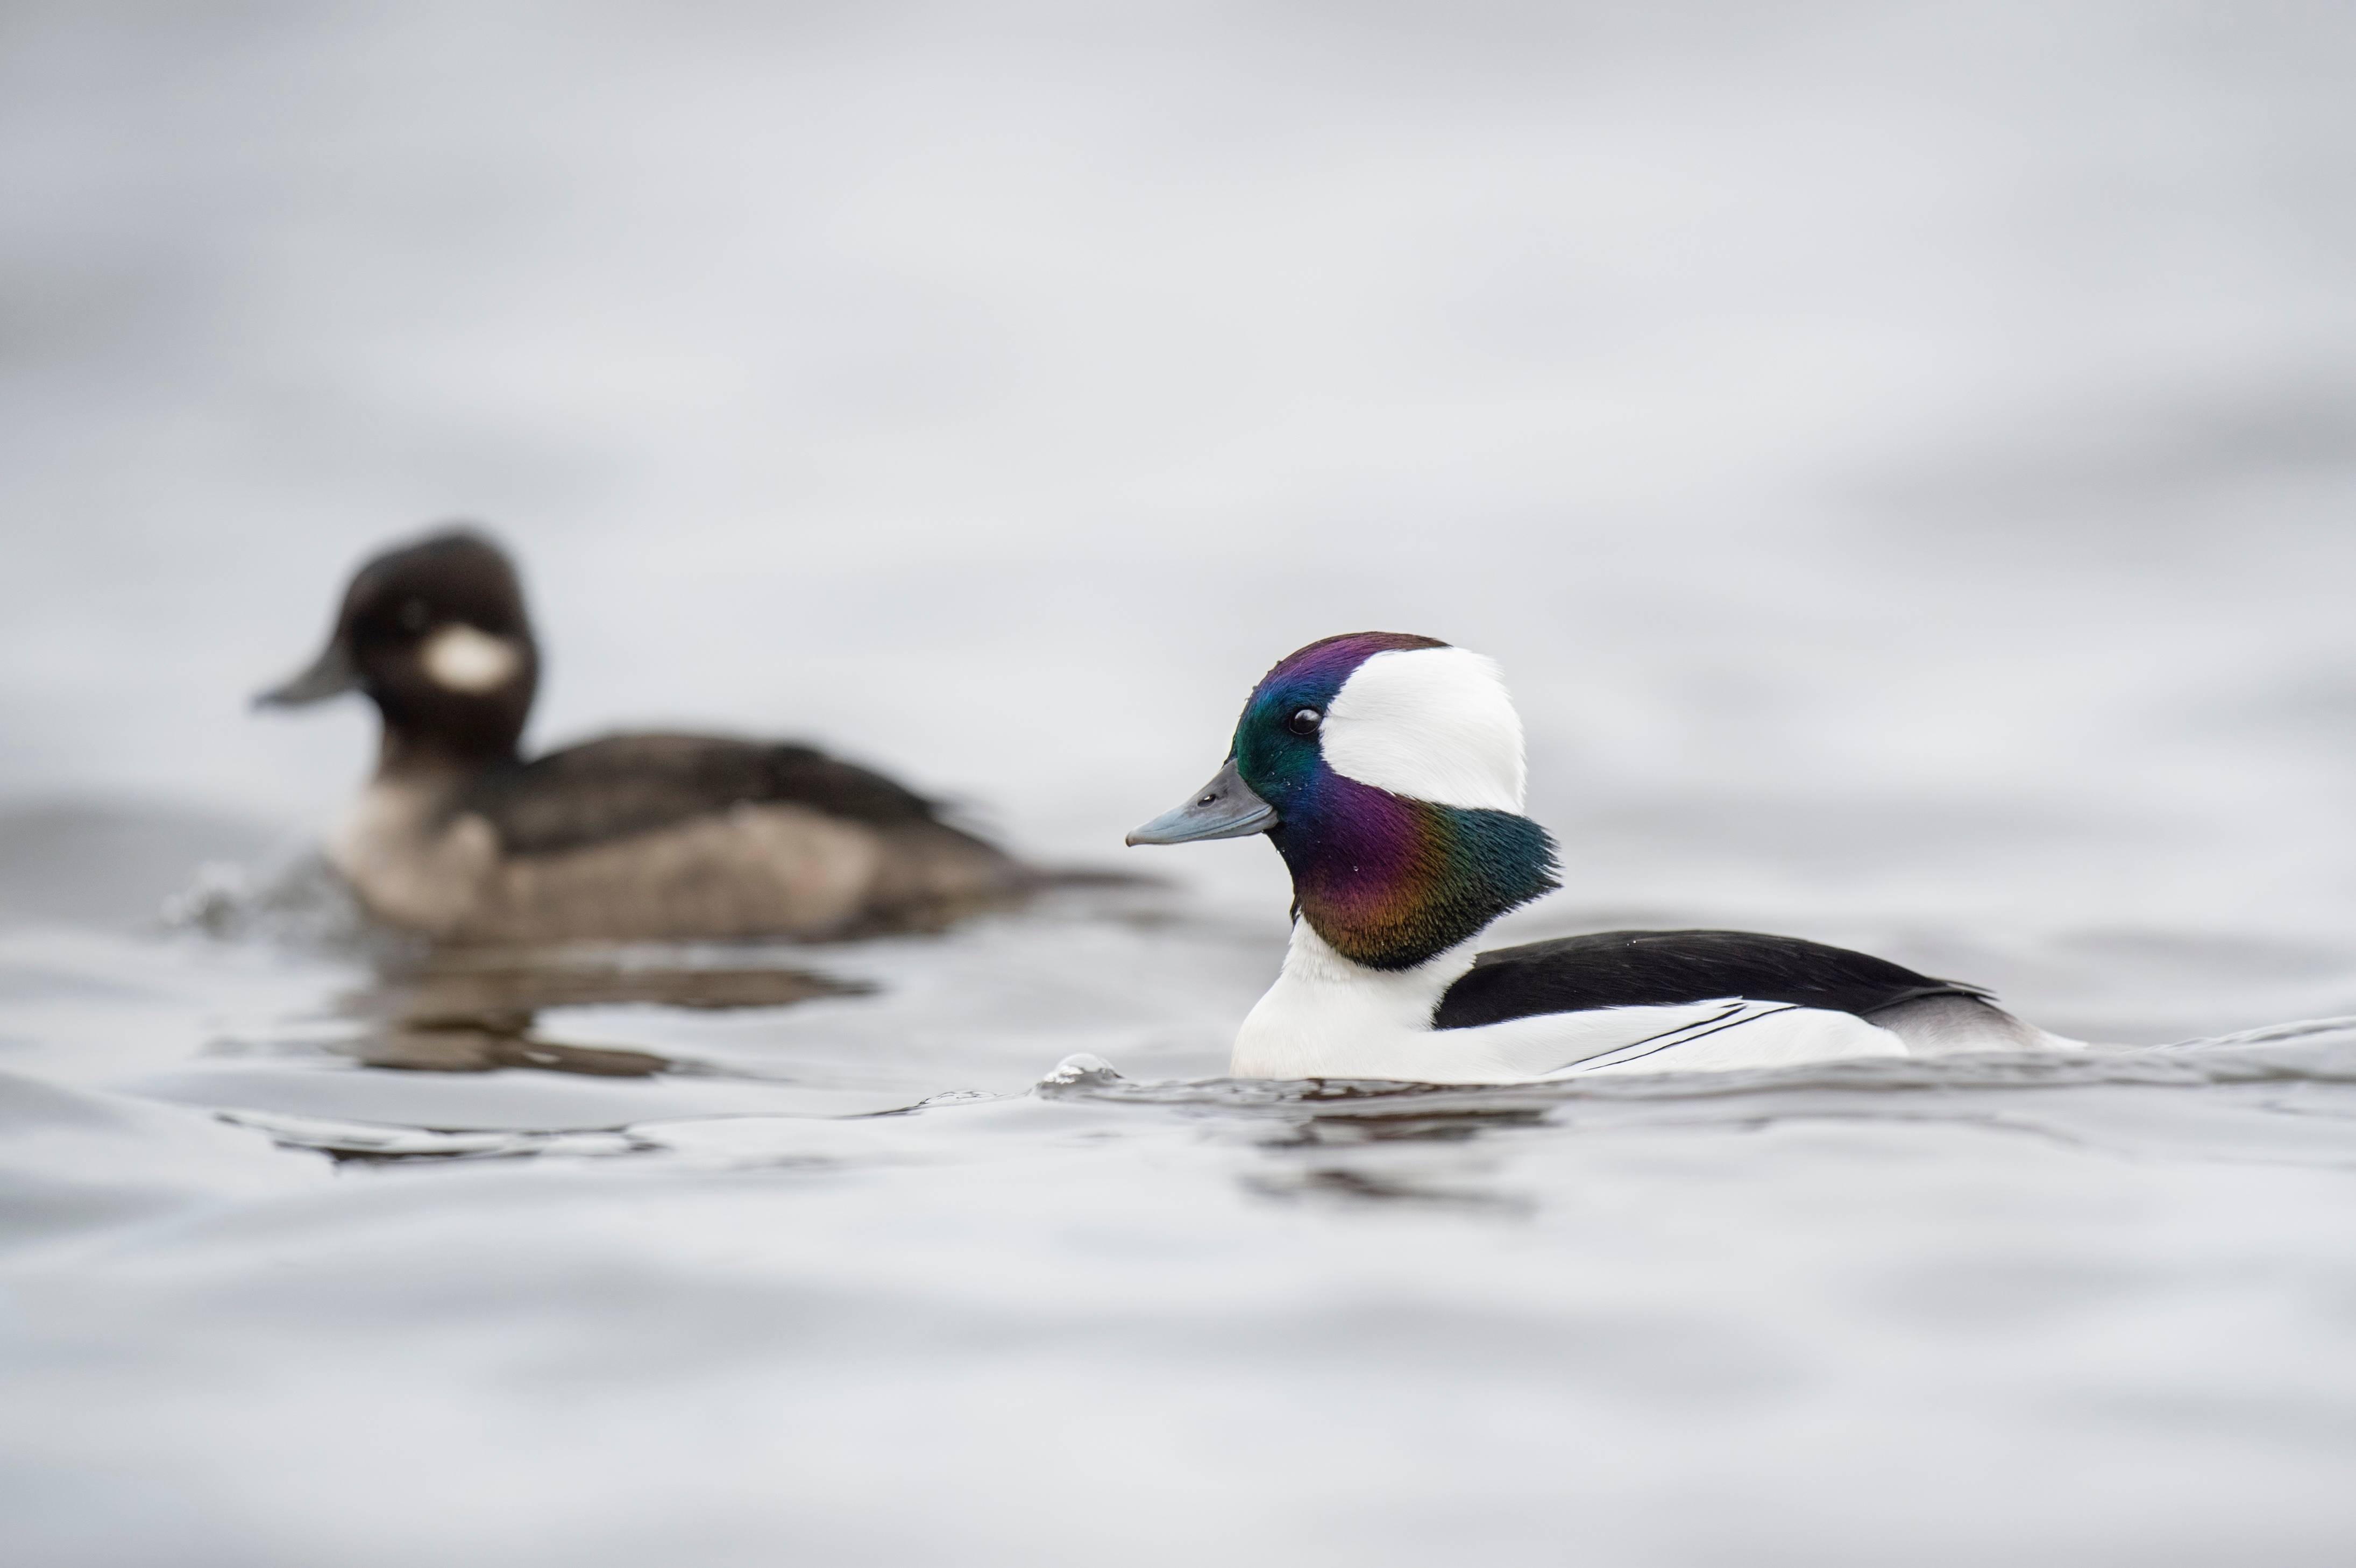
point(1226, 808)
point(331, 675)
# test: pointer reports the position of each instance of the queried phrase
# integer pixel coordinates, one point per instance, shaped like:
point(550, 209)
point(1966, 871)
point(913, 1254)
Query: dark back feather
point(1640, 968)
point(627, 784)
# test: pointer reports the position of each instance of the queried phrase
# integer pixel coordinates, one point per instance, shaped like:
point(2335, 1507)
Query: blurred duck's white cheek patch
point(466, 659)
point(1434, 724)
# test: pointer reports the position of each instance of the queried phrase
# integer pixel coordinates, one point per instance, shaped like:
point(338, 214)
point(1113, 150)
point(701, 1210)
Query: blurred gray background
point(1903, 455)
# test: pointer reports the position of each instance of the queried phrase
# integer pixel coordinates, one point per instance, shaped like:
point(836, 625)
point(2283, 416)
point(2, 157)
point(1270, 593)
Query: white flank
point(1327, 1018)
point(466, 659)
point(1435, 723)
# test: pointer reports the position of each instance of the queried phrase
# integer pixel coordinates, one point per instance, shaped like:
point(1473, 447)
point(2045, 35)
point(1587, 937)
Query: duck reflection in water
point(457, 1010)
point(1429, 1155)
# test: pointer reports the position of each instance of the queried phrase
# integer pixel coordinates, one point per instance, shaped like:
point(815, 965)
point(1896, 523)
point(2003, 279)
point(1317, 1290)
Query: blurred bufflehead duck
point(1388, 770)
point(632, 837)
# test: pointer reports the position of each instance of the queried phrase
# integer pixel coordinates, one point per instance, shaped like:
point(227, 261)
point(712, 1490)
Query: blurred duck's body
point(633, 837)
point(1388, 770)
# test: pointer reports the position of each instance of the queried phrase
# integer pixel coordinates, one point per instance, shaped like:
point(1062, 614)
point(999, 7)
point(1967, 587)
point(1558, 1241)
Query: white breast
point(409, 865)
point(1327, 1018)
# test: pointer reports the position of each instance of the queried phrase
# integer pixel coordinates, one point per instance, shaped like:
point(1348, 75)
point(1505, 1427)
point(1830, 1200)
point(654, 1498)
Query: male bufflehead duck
point(632, 837)
point(1388, 770)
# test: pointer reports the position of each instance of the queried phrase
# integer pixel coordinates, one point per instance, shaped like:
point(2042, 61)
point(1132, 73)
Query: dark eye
point(1304, 721)
point(414, 615)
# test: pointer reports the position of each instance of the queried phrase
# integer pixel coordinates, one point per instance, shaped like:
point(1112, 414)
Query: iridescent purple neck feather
point(1388, 881)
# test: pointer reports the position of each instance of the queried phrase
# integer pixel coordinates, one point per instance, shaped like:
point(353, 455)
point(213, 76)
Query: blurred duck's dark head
point(435, 634)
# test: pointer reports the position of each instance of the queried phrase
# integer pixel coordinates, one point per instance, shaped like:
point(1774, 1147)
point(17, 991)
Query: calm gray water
point(1905, 459)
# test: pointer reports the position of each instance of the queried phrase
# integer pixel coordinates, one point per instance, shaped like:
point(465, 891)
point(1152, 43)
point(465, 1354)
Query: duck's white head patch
point(1433, 724)
point(463, 659)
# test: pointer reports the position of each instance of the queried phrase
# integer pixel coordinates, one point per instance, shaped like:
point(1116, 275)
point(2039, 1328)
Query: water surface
point(1904, 461)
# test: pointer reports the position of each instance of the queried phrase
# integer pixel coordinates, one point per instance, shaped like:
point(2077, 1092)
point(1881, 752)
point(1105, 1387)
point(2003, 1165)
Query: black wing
point(1640, 968)
point(625, 784)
